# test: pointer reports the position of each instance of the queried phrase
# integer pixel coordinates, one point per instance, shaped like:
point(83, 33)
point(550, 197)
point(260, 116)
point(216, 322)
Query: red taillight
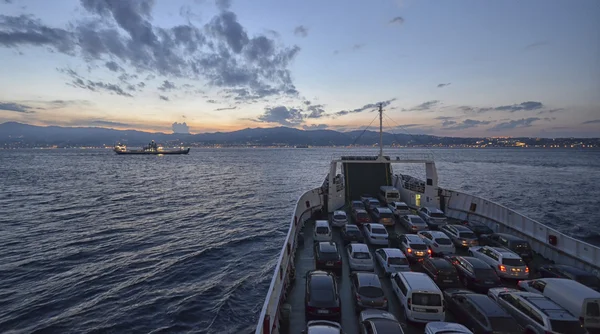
point(502, 267)
point(429, 251)
point(409, 250)
point(527, 269)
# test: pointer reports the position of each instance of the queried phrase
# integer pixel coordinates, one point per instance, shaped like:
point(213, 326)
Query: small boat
point(152, 148)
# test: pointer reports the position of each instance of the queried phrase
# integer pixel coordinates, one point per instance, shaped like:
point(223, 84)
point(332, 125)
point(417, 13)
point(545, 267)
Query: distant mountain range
point(15, 134)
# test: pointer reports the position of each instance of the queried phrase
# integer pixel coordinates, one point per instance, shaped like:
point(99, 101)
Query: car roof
point(386, 326)
point(383, 209)
point(437, 234)
point(372, 314)
point(476, 263)
point(357, 202)
point(327, 247)
point(323, 327)
point(510, 236)
point(546, 305)
point(414, 217)
point(351, 227)
point(368, 279)
point(360, 211)
point(489, 307)
point(359, 247)
point(373, 200)
point(413, 238)
point(377, 225)
point(439, 262)
point(322, 223)
point(434, 209)
point(418, 281)
point(393, 252)
point(506, 253)
point(400, 203)
point(321, 278)
point(448, 327)
point(339, 212)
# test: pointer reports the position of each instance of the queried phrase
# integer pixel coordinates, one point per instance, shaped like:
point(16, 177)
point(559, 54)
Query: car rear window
point(467, 235)
point(322, 230)
point(437, 215)
point(370, 291)
point(443, 241)
point(353, 232)
point(339, 217)
point(398, 261)
point(358, 205)
point(418, 221)
point(322, 295)
point(513, 262)
point(504, 325)
point(377, 230)
point(418, 246)
point(362, 215)
point(426, 299)
point(361, 255)
point(385, 215)
point(565, 326)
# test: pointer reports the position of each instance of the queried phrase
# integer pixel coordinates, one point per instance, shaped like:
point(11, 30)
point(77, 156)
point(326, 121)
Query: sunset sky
point(452, 68)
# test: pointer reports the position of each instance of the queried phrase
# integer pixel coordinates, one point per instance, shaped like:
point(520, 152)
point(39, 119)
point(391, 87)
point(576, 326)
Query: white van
point(580, 300)
point(388, 194)
point(322, 231)
point(420, 297)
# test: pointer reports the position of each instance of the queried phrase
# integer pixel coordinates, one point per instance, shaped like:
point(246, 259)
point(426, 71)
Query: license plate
point(516, 269)
point(329, 263)
point(419, 309)
point(419, 253)
point(524, 255)
point(322, 311)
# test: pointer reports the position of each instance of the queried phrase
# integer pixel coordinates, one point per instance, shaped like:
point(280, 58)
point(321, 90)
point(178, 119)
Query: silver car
point(378, 321)
point(506, 263)
point(433, 217)
point(323, 327)
point(368, 292)
point(414, 223)
point(460, 235)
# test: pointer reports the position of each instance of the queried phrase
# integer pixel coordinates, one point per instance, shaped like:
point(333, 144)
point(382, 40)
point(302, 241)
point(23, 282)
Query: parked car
point(392, 260)
point(494, 292)
point(564, 271)
point(383, 216)
point(438, 242)
point(372, 204)
point(376, 234)
point(327, 256)
point(359, 257)
point(480, 313)
point(538, 314)
point(474, 273)
point(378, 321)
point(414, 247)
point(442, 272)
point(414, 223)
point(351, 233)
point(433, 217)
point(364, 198)
point(506, 263)
point(339, 218)
point(322, 327)
point(460, 235)
point(399, 209)
point(442, 327)
point(322, 231)
point(361, 216)
point(478, 228)
point(321, 297)
point(367, 291)
point(509, 241)
point(357, 205)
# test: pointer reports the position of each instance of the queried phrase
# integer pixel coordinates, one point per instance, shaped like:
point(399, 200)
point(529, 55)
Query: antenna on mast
point(381, 130)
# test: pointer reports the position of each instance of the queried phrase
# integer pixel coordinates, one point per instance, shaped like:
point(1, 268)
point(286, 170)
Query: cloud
point(428, 105)
point(594, 121)
point(354, 47)
point(301, 31)
point(365, 107)
point(446, 120)
point(316, 111)
point(397, 20)
point(180, 128)
point(167, 86)
point(514, 124)
point(113, 66)
point(98, 86)
point(467, 123)
point(16, 107)
point(220, 52)
point(164, 98)
point(442, 85)
point(529, 105)
point(535, 45)
point(315, 127)
point(282, 115)
point(227, 108)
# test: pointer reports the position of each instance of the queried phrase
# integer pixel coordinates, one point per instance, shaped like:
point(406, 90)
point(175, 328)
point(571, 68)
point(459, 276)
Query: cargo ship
point(151, 149)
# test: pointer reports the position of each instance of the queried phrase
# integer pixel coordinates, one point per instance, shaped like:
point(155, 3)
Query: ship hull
point(186, 151)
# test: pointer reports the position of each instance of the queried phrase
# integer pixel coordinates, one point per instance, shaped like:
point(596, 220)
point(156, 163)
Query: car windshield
point(322, 295)
point(467, 235)
point(322, 230)
point(418, 246)
point(378, 230)
point(443, 241)
point(398, 261)
point(361, 255)
point(358, 205)
point(340, 217)
point(566, 326)
point(437, 215)
point(589, 280)
point(385, 215)
point(513, 262)
point(353, 232)
point(503, 325)
point(370, 291)
point(427, 299)
point(417, 221)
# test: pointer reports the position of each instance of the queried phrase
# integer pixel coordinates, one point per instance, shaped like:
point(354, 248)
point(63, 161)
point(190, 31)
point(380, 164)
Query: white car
point(506, 263)
point(359, 257)
point(414, 247)
point(436, 327)
point(339, 219)
point(378, 321)
point(438, 242)
point(322, 231)
point(399, 209)
point(414, 223)
point(376, 234)
point(323, 326)
point(494, 292)
point(392, 260)
point(433, 217)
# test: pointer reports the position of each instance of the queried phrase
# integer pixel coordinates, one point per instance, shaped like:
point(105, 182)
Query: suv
point(321, 297)
point(433, 217)
point(442, 272)
point(506, 263)
point(538, 314)
point(368, 292)
point(414, 247)
point(474, 273)
point(514, 243)
point(460, 235)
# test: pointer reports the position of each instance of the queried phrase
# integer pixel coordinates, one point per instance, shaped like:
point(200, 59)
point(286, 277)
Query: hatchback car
point(518, 245)
point(327, 256)
point(414, 223)
point(506, 263)
point(357, 205)
point(322, 231)
point(392, 260)
point(434, 217)
point(414, 247)
point(460, 235)
point(339, 218)
point(372, 204)
point(383, 216)
point(367, 291)
point(351, 233)
point(322, 327)
point(474, 273)
point(441, 327)
point(359, 257)
point(321, 298)
point(399, 209)
point(438, 242)
point(378, 321)
point(442, 272)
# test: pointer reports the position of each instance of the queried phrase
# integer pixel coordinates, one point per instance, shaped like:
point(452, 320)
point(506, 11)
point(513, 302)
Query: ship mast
point(380, 130)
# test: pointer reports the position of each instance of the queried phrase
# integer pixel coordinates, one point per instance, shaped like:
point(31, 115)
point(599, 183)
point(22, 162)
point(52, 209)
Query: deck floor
point(305, 262)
